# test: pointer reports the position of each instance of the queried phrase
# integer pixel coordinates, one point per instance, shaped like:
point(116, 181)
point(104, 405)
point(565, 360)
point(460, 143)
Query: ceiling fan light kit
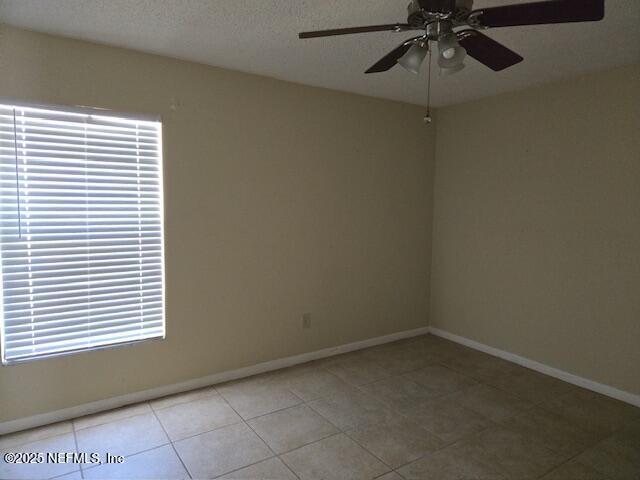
point(456, 27)
point(451, 54)
point(412, 60)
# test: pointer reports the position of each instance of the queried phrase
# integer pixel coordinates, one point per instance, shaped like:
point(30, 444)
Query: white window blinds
point(80, 231)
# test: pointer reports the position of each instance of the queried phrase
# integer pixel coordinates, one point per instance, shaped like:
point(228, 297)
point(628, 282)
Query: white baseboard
point(607, 390)
point(146, 395)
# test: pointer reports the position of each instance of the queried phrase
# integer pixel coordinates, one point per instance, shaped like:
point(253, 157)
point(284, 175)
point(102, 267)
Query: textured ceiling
point(260, 36)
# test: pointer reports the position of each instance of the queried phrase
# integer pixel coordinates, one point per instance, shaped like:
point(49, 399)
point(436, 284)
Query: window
point(81, 242)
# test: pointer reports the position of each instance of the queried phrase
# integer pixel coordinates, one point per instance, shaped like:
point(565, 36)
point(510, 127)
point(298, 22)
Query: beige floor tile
point(397, 359)
point(458, 357)
point(438, 380)
point(618, 456)
point(445, 350)
point(396, 443)
point(448, 420)
point(349, 410)
point(336, 359)
point(222, 451)
point(45, 469)
point(70, 476)
point(409, 345)
point(283, 375)
point(490, 402)
point(159, 463)
point(410, 341)
point(178, 398)
point(592, 412)
point(519, 456)
point(631, 431)
point(111, 415)
point(313, 383)
point(358, 370)
point(123, 437)
point(451, 463)
point(553, 431)
point(291, 428)
point(532, 386)
point(572, 470)
point(199, 416)
point(487, 369)
point(258, 396)
point(396, 406)
point(379, 351)
point(399, 393)
point(271, 469)
point(390, 476)
point(430, 337)
point(35, 434)
point(334, 458)
point(258, 381)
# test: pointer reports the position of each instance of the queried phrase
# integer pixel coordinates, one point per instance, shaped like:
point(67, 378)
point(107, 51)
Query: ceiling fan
point(440, 21)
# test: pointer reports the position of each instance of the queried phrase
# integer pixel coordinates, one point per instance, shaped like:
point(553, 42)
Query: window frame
point(98, 111)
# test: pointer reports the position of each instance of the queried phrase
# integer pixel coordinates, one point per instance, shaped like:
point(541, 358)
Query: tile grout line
point(75, 430)
point(370, 452)
point(132, 455)
point(288, 467)
point(496, 424)
point(491, 423)
point(484, 381)
point(499, 424)
point(246, 422)
point(222, 475)
point(310, 443)
point(75, 440)
point(445, 444)
point(320, 413)
point(577, 455)
point(256, 434)
point(339, 432)
point(269, 413)
point(204, 397)
point(303, 402)
point(345, 431)
point(170, 441)
point(450, 444)
point(359, 388)
point(111, 421)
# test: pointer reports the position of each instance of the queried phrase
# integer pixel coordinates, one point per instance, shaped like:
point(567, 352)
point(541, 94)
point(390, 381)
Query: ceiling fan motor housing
point(422, 12)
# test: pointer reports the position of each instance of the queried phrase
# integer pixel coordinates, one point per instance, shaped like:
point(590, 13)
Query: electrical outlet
point(306, 320)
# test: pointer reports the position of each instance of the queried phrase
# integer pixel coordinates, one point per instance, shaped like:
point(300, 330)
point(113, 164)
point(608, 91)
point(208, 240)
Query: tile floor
point(422, 408)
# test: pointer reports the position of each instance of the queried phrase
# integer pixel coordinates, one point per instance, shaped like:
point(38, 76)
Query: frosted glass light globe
point(449, 53)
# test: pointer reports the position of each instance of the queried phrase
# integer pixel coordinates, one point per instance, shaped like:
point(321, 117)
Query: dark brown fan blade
point(390, 59)
point(398, 27)
point(487, 51)
point(539, 13)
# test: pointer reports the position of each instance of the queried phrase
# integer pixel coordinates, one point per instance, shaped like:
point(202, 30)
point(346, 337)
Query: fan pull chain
point(427, 118)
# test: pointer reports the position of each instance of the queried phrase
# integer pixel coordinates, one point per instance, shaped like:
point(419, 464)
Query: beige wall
point(280, 199)
point(536, 246)
point(283, 199)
